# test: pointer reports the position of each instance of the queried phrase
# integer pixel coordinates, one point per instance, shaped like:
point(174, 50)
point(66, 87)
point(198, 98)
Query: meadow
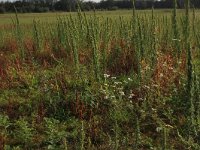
point(125, 79)
point(51, 17)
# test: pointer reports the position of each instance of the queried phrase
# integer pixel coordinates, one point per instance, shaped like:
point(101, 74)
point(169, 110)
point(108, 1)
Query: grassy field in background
point(28, 18)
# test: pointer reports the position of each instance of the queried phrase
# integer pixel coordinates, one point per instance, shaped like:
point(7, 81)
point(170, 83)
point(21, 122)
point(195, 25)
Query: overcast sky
point(16, 0)
point(84, 0)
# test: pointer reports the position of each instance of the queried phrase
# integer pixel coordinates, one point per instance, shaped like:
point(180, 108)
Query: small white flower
point(104, 91)
point(154, 109)
point(147, 68)
point(167, 125)
point(121, 93)
point(112, 96)
point(105, 84)
point(155, 85)
point(106, 97)
point(161, 75)
point(117, 83)
point(113, 78)
point(176, 40)
point(131, 101)
point(131, 96)
point(140, 99)
point(106, 75)
point(158, 129)
point(130, 79)
point(147, 87)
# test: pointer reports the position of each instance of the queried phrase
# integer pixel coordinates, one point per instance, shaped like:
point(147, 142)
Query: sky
point(84, 0)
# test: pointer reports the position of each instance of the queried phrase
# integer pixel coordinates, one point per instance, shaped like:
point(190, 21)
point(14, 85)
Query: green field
point(121, 80)
point(6, 19)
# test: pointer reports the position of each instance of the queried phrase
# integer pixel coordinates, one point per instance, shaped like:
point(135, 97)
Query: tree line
point(25, 6)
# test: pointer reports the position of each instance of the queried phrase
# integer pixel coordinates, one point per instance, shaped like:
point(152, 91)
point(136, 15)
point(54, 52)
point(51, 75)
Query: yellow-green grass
point(50, 17)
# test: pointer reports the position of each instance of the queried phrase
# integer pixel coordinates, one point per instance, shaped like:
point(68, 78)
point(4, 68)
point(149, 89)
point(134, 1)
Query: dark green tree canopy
point(24, 6)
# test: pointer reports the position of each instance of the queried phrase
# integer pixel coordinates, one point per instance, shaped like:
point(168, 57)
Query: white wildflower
point(147, 68)
point(106, 97)
point(167, 125)
point(147, 87)
point(153, 109)
point(104, 91)
point(131, 96)
point(140, 99)
point(155, 85)
point(121, 93)
point(158, 129)
point(130, 79)
point(176, 40)
point(112, 96)
point(117, 83)
point(106, 75)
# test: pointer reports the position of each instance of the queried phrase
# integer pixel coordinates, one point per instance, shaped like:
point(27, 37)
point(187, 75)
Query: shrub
point(41, 9)
point(113, 8)
point(45, 9)
point(2, 10)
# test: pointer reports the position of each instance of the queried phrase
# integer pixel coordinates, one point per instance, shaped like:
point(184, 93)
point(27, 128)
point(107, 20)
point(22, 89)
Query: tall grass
point(19, 35)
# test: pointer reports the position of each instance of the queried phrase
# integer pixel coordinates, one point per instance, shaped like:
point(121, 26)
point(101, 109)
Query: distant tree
point(195, 3)
point(2, 10)
point(88, 5)
point(66, 5)
point(71, 5)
